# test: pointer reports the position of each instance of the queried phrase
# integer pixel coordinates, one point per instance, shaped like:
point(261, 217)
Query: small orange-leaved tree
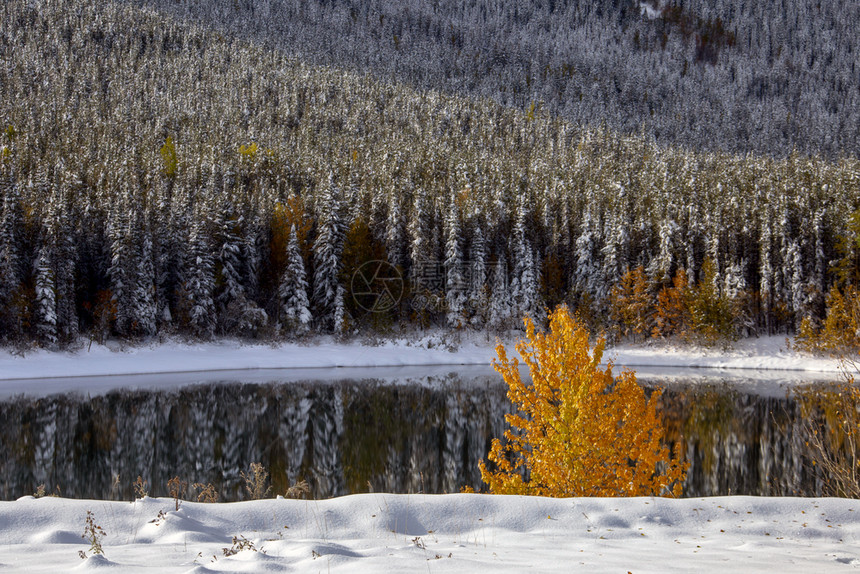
point(580, 431)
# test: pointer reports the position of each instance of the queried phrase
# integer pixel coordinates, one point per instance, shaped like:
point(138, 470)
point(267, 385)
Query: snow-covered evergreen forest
point(161, 173)
point(767, 76)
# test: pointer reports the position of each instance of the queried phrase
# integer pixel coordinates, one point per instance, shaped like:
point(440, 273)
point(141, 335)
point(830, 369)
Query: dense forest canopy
point(159, 175)
point(766, 76)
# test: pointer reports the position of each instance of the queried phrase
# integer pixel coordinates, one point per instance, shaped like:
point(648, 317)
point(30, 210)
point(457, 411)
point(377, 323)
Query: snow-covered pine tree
point(455, 286)
point(693, 236)
point(517, 250)
point(395, 233)
point(734, 282)
point(237, 313)
point(121, 267)
point(181, 218)
point(477, 273)
point(293, 290)
point(524, 286)
point(228, 242)
point(163, 239)
point(500, 315)
point(793, 266)
point(252, 317)
point(340, 322)
point(782, 268)
point(252, 251)
point(145, 308)
point(326, 254)
point(419, 239)
point(377, 218)
point(661, 267)
point(614, 255)
point(200, 285)
point(566, 242)
point(132, 268)
point(586, 276)
point(816, 289)
point(11, 268)
point(62, 254)
point(46, 300)
point(715, 248)
point(765, 268)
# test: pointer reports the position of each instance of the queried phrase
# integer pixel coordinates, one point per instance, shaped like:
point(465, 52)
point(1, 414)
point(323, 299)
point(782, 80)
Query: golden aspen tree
point(579, 431)
point(838, 334)
point(842, 321)
point(248, 153)
point(672, 316)
point(631, 303)
point(711, 311)
point(169, 158)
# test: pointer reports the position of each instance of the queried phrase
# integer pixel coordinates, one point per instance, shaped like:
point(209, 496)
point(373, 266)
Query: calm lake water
point(393, 433)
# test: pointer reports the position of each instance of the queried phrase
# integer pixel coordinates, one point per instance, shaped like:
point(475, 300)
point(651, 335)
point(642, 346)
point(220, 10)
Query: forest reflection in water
point(416, 434)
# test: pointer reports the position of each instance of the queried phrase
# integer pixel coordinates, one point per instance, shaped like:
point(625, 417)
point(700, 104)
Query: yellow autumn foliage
point(631, 303)
point(580, 431)
point(839, 333)
point(169, 158)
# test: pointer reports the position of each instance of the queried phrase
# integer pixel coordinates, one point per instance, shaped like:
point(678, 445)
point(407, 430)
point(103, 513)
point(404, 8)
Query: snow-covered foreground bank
point(765, 353)
point(438, 533)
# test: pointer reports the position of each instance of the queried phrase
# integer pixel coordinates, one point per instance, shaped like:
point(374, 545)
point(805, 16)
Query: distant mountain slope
point(767, 76)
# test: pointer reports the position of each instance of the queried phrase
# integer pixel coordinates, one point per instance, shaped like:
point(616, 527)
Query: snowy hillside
point(768, 77)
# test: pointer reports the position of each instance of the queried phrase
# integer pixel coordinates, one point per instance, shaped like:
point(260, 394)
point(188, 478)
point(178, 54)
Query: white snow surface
point(173, 356)
point(437, 533)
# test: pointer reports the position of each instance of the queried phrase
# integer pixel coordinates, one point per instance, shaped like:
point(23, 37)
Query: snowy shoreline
point(171, 357)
